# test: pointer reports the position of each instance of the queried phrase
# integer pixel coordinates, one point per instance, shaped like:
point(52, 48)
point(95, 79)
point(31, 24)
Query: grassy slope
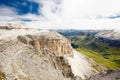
point(100, 52)
point(98, 58)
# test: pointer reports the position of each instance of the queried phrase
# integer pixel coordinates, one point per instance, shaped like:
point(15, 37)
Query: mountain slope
point(87, 42)
point(29, 54)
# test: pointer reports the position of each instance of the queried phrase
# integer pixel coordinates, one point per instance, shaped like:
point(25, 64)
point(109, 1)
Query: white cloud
point(79, 9)
point(30, 17)
point(7, 13)
point(78, 14)
point(80, 24)
point(90, 8)
point(51, 9)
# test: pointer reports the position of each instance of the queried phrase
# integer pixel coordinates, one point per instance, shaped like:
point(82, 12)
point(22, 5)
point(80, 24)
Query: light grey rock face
point(109, 34)
point(35, 56)
point(109, 75)
point(41, 55)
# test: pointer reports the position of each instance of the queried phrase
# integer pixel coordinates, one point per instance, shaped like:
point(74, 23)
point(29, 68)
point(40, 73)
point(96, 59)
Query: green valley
point(99, 49)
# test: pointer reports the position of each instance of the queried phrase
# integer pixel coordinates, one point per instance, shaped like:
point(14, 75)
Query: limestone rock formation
point(42, 55)
point(108, 75)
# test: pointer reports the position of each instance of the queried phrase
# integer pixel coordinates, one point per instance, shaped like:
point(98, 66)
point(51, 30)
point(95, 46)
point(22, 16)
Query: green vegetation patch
point(2, 76)
point(99, 51)
point(98, 58)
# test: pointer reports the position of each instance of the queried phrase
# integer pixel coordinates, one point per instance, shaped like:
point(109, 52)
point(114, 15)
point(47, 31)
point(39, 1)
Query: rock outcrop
point(109, 75)
point(42, 55)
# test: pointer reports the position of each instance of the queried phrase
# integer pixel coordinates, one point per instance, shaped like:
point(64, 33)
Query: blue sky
point(65, 14)
point(22, 6)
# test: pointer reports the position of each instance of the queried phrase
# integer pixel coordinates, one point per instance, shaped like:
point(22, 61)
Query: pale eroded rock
point(41, 55)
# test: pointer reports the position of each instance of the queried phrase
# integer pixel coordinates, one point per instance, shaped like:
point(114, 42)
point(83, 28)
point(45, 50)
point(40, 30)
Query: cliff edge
point(42, 55)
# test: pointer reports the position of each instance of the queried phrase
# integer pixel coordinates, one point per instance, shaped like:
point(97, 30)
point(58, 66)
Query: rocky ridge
point(108, 75)
point(42, 55)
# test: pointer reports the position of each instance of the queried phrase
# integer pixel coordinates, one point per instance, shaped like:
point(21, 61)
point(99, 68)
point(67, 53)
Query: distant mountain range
point(109, 34)
point(94, 43)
